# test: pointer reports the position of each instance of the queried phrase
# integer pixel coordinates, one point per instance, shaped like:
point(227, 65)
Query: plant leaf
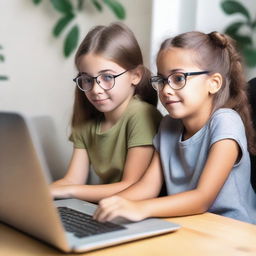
point(2, 78)
point(63, 6)
point(232, 7)
point(80, 4)
point(241, 40)
point(117, 8)
point(250, 56)
point(37, 1)
point(1, 58)
point(71, 41)
point(234, 27)
point(254, 24)
point(62, 23)
point(97, 5)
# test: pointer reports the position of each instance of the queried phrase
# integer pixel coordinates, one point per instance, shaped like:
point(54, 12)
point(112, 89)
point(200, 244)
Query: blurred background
point(38, 40)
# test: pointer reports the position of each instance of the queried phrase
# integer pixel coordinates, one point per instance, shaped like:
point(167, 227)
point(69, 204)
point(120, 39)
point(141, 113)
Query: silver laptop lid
point(25, 202)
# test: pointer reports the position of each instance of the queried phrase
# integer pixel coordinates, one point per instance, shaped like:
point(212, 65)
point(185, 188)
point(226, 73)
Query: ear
point(214, 83)
point(137, 74)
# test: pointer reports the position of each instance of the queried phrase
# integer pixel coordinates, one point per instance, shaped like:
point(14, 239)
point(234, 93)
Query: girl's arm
point(149, 185)
point(222, 157)
point(137, 161)
point(77, 172)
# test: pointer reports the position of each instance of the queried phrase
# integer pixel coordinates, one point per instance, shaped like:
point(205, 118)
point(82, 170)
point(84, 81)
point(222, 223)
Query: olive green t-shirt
point(107, 150)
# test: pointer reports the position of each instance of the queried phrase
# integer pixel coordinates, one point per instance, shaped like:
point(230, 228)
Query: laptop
point(26, 203)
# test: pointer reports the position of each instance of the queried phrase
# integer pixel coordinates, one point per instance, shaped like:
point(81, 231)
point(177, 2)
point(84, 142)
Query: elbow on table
point(203, 203)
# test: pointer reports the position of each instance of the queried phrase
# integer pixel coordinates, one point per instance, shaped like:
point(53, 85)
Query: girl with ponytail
point(202, 146)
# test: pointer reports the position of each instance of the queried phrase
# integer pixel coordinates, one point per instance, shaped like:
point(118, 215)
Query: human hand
point(116, 206)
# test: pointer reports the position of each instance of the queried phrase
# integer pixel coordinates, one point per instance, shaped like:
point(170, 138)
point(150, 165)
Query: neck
point(193, 124)
point(112, 117)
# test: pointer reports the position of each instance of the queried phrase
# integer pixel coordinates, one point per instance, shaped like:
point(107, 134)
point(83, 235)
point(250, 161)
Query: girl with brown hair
point(114, 117)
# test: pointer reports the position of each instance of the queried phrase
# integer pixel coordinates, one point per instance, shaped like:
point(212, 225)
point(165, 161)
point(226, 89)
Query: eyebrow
point(171, 71)
point(100, 72)
point(107, 70)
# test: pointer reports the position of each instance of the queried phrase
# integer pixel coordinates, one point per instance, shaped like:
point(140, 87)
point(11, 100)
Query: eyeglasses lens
point(157, 83)
point(105, 81)
point(177, 80)
point(84, 82)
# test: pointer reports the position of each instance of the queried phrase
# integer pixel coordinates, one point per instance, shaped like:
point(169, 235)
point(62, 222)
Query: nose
point(96, 87)
point(167, 89)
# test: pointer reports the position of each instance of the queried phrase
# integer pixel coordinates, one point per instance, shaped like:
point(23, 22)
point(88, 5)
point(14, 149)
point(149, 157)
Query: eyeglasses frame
point(186, 74)
point(95, 79)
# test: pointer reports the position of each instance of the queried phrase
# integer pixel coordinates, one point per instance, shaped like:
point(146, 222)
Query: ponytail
point(237, 85)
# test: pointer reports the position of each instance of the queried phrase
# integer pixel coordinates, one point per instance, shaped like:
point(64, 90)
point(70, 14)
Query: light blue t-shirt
point(183, 162)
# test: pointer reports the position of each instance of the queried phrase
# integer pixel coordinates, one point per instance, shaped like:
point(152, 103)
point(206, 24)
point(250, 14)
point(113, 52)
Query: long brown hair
point(117, 43)
point(217, 53)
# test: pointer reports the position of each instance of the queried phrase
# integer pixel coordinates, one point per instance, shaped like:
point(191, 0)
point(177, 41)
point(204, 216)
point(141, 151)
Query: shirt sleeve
point(227, 124)
point(77, 138)
point(142, 126)
point(167, 127)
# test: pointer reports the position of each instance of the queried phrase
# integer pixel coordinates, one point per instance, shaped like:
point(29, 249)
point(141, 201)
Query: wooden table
point(206, 234)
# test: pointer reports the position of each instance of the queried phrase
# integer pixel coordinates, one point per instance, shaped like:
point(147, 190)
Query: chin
point(103, 109)
point(175, 115)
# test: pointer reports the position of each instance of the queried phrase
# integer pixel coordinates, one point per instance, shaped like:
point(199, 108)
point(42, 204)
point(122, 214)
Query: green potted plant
point(69, 10)
point(243, 29)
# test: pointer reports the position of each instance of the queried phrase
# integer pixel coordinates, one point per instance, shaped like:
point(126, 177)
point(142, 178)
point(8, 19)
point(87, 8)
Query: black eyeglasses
point(175, 80)
point(106, 81)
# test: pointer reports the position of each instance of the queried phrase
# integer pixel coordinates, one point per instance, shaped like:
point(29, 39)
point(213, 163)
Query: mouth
point(99, 100)
point(171, 102)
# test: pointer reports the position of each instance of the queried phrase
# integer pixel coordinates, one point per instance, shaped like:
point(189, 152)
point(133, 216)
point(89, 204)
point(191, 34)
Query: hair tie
point(218, 39)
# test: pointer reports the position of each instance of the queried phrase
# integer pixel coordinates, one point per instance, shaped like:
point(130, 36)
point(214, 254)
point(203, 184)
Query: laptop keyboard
point(82, 224)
